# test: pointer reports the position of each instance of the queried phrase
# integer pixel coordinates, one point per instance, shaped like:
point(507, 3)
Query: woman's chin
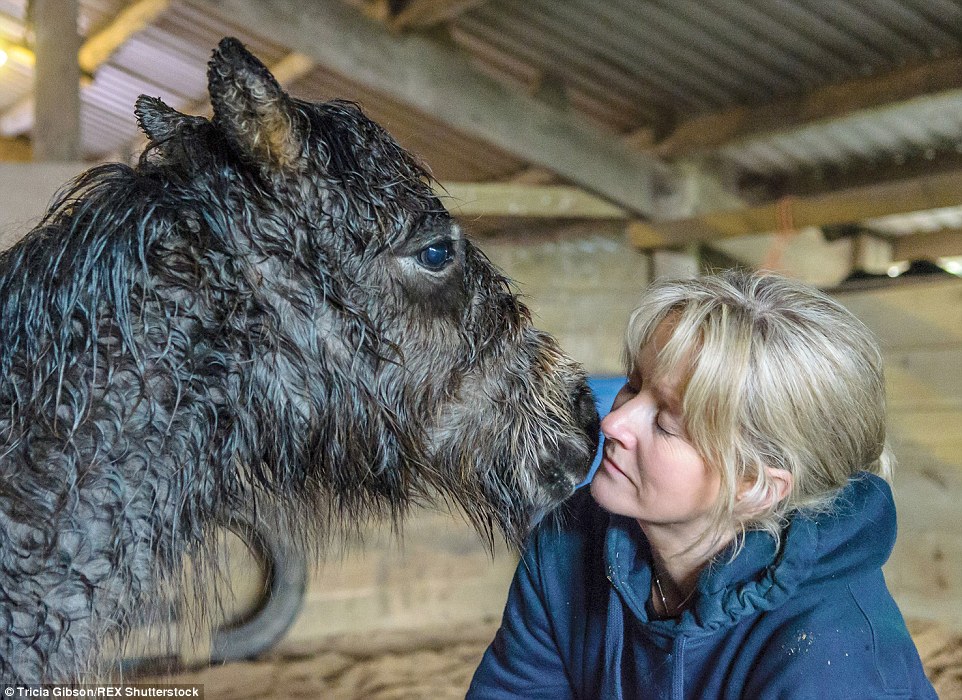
point(608, 494)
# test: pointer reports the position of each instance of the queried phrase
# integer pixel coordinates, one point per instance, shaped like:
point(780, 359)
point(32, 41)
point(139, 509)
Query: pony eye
point(437, 255)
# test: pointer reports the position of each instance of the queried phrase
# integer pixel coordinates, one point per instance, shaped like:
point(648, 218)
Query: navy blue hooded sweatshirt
point(812, 620)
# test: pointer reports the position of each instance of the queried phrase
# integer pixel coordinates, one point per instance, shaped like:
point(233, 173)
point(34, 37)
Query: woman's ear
point(782, 482)
point(757, 496)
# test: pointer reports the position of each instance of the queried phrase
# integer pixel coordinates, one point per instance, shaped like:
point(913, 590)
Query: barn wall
point(920, 328)
point(26, 190)
point(581, 289)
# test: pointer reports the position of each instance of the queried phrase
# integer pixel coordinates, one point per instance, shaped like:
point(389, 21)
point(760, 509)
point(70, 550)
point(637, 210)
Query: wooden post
point(56, 131)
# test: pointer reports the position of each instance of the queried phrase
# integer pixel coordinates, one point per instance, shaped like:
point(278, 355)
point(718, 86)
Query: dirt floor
point(438, 665)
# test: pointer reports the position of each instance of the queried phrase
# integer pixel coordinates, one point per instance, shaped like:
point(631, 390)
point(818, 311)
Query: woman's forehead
point(668, 378)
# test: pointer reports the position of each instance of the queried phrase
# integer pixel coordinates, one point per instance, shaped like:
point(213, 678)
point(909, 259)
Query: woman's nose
point(621, 423)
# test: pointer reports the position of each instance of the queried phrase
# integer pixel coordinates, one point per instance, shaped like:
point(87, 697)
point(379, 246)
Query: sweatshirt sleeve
point(523, 661)
point(850, 659)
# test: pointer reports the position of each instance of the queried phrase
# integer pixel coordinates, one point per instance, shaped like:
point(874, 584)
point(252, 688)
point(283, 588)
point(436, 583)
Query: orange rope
point(784, 233)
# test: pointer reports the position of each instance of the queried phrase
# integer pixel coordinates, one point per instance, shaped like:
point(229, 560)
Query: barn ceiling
point(690, 120)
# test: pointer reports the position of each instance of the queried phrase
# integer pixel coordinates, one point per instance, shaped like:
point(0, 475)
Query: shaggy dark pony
point(272, 313)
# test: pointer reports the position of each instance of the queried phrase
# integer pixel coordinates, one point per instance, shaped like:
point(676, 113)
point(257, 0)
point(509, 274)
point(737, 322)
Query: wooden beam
point(15, 150)
point(842, 207)
point(462, 198)
point(708, 132)
point(420, 14)
point(56, 81)
point(20, 54)
point(440, 81)
point(858, 173)
point(101, 46)
point(292, 68)
point(938, 244)
point(525, 201)
point(95, 51)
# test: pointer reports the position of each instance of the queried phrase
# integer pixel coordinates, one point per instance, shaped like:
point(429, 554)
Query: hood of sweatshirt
point(857, 533)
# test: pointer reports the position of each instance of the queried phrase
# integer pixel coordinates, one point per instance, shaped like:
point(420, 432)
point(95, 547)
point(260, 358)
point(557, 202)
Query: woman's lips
point(611, 466)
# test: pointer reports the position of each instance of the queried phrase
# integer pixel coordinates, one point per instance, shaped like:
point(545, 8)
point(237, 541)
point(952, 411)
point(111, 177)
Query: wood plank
point(15, 150)
point(938, 244)
point(931, 427)
point(822, 105)
point(923, 575)
point(440, 572)
point(97, 49)
point(924, 572)
point(521, 200)
point(292, 67)
point(439, 80)
point(420, 14)
point(840, 207)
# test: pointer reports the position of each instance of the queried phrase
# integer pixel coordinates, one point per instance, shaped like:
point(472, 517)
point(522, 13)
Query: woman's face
point(650, 471)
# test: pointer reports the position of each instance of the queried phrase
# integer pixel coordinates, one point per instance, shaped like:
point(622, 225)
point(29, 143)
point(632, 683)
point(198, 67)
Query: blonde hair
point(777, 374)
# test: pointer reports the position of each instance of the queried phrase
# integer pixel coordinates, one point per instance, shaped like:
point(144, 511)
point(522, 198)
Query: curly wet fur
point(242, 323)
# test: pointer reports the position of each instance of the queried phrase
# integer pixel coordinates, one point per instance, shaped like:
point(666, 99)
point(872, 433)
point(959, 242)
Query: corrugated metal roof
point(168, 60)
point(691, 56)
point(627, 65)
point(925, 125)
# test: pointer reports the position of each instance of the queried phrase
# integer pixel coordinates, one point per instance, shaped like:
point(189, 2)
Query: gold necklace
point(664, 602)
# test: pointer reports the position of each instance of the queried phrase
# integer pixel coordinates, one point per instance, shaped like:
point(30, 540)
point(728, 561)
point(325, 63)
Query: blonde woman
point(731, 542)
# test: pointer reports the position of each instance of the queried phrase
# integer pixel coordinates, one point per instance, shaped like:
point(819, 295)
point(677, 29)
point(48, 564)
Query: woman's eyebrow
point(668, 397)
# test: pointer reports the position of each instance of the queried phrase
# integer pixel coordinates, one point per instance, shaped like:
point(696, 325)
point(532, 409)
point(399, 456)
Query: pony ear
point(157, 120)
point(251, 109)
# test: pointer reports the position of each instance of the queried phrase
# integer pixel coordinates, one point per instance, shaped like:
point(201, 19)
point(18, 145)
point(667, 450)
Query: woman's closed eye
point(669, 424)
point(662, 425)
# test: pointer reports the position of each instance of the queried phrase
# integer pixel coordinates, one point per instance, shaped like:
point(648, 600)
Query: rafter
point(841, 207)
point(439, 81)
point(420, 14)
point(708, 132)
point(525, 201)
point(937, 244)
point(130, 20)
point(15, 150)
